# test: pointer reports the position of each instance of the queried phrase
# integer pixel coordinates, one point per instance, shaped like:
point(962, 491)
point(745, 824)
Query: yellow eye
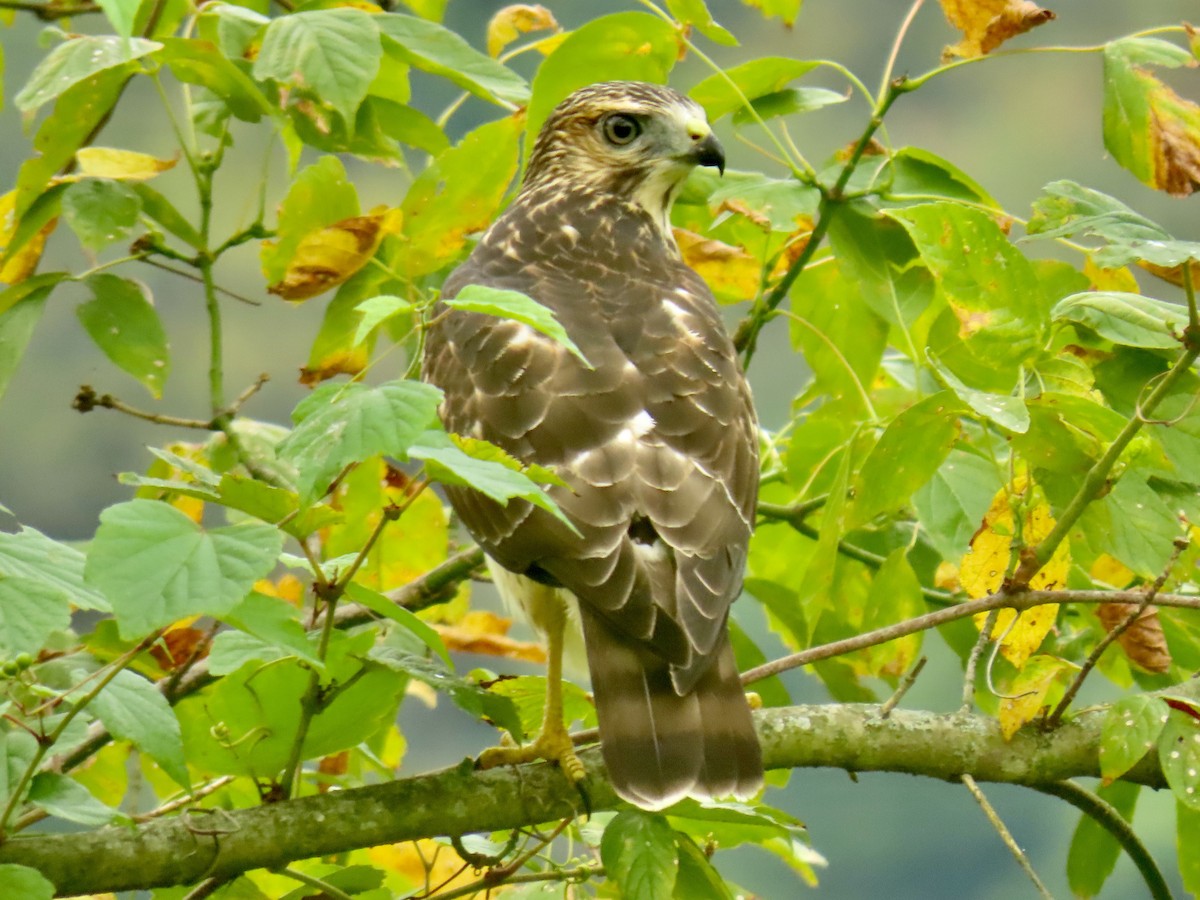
point(621, 129)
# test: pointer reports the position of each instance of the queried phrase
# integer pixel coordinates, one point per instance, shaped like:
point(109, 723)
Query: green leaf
point(754, 79)
point(1187, 838)
point(397, 654)
point(698, 879)
point(458, 195)
point(909, 451)
point(1134, 524)
point(528, 694)
point(1179, 756)
point(409, 125)
point(952, 503)
point(1067, 209)
point(627, 46)
point(1128, 319)
point(18, 750)
point(376, 310)
point(915, 170)
point(74, 60)
point(788, 102)
point(1094, 851)
point(30, 611)
point(1005, 410)
point(246, 723)
point(1130, 730)
point(68, 799)
point(433, 48)
point(157, 566)
point(895, 596)
point(1148, 128)
point(161, 210)
point(638, 852)
point(879, 254)
point(77, 114)
point(841, 337)
point(121, 14)
point(134, 710)
point(378, 603)
point(198, 62)
point(506, 304)
point(100, 211)
point(477, 465)
point(124, 324)
point(24, 883)
point(16, 327)
point(330, 54)
point(276, 622)
point(695, 13)
point(784, 10)
point(31, 556)
point(995, 313)
point(277, 506)
point(340, 424)
point(319, 195)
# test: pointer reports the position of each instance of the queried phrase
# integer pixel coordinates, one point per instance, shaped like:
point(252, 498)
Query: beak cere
point(707, 151)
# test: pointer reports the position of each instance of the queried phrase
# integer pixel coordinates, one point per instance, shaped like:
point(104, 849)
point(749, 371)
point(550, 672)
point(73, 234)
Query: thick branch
point(218, 844)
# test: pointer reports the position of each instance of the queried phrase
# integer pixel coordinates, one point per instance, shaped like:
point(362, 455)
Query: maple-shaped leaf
point(986, 24)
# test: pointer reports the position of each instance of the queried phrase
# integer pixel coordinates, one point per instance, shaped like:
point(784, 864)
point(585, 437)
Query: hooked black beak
point(708, 152)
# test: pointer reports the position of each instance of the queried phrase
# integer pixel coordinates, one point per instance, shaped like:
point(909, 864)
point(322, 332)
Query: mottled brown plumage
point(657, 441)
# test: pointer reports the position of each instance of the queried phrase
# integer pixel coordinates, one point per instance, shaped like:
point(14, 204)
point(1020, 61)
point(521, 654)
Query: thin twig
point(206, 888)
point(49, 12)
point(985, 635)
point(1005, 835)
point(240, 400)
point(577, 875)
point(1105, 642)
point(904, 687)
point(1020, 602)
point(182, 273)
point(179, 802)
point(87, 400)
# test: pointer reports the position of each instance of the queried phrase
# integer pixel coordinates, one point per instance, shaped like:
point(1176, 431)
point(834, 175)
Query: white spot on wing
point(641, 424)
point(571, 233)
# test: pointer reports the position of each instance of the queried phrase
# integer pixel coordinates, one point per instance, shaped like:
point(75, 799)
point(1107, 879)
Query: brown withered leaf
point(510, 22)
point(1175, 133)
point(1143, 641)
point(178, 646)
point(328, 256)
point(986, 24)
point(333, 765)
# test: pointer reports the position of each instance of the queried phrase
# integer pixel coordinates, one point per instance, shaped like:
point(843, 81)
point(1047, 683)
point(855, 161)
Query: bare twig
point(1105, 642)
point(905, 685)
point(87, 399)
point(1001, 600)
point(1005, 835)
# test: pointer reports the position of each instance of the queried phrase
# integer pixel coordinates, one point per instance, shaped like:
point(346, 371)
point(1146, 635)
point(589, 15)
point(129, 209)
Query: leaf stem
point(324, 887)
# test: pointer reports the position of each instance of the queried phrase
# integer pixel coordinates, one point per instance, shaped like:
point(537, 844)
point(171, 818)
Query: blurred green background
point(1013, 124)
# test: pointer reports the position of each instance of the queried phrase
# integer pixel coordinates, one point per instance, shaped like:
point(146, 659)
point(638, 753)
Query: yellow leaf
point(485, 632)
point(511, 22)
point(1118, 279)
point(125, 165)
point(986, 24)
point(328, 256)
point(731, 272)
point(24, 262)
point(1110, 571)
point(984, 566)
point(288, 587)
point(425, 862)
point(1028, 690)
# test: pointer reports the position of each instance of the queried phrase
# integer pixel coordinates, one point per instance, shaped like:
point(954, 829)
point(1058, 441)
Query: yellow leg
point(552, 743)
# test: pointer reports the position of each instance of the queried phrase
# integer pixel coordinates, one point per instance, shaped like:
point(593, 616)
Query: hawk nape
point(657, 442)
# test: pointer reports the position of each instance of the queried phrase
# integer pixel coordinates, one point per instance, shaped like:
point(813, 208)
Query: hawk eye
point(620, 129)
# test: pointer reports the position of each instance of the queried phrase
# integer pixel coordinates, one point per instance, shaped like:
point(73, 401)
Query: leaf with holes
point(1179, 756)
point(1130, 730)
point(124, 324)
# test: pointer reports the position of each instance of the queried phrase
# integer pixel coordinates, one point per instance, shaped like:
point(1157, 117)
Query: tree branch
point(220, 845)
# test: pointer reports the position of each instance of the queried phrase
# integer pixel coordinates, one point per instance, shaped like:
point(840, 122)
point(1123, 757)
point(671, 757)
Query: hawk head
point(630, 139)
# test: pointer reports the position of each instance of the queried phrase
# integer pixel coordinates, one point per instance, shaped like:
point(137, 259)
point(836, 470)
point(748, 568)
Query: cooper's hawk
point(657, 441)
